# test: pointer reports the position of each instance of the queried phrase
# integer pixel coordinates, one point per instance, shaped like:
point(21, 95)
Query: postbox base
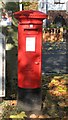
point(29, 99)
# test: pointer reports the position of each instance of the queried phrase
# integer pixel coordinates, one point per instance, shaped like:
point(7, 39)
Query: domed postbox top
point(24, 14)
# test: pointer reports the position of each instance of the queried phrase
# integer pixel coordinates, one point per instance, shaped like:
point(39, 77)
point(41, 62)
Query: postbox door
point(29, 61)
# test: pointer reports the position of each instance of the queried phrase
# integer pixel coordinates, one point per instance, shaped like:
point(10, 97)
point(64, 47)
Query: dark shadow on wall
point(11, 71)
point(59, 21)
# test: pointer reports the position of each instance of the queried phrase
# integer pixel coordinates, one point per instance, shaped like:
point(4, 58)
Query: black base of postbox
point(29, 99)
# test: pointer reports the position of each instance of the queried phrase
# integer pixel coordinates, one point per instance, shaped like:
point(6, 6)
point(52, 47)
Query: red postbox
point(29, 56)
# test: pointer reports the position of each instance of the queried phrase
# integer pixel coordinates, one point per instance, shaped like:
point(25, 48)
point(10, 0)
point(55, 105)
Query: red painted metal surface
point(30, 14)
point(29, 62)
point(29, 48)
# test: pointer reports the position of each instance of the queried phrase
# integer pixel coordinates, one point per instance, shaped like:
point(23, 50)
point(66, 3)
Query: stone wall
point(52, 14)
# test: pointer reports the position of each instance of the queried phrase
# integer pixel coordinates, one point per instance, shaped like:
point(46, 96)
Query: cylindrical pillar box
point(29, 58)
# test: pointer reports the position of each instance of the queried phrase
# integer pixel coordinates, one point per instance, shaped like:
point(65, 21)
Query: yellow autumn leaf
point(20, 115)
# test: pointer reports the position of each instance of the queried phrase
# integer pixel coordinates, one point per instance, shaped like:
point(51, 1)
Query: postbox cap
point(30, 14)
